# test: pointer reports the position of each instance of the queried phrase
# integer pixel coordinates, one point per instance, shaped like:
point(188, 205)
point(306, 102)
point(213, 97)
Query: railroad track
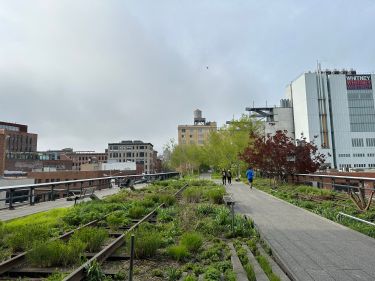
point(13, 266)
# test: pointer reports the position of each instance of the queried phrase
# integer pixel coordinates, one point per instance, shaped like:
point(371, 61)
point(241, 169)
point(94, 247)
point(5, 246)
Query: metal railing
point(30, 194)
point(337, 183)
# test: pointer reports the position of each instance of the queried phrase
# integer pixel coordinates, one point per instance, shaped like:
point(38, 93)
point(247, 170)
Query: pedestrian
point(224, 176)
point(250, 176)
point(229, 177)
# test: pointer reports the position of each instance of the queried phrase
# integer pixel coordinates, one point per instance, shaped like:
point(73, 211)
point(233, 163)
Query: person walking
point(250, 176)
point(224, 176)
point(229, 177)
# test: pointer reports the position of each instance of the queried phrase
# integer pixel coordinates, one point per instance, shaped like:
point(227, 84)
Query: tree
point(278, 155)
point(224, 146)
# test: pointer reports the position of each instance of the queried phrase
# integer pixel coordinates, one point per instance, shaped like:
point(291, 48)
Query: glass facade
point(361, 110)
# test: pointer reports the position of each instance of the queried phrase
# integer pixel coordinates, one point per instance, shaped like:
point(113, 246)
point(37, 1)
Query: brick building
point(15, 139)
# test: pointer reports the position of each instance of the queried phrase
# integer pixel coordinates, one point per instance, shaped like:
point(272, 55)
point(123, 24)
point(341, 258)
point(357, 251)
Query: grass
point(137, 212)
point(264, 264)
point(92, 237)
point(147, 241)
point(56, 253)
point(178, 252)
point(193, 194)
point(117, 219)
point(23, 238)
point(192, 241)
point(215, 195)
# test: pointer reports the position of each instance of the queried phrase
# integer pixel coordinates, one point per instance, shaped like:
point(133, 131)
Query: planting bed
point(323, 202)
point(186, 240)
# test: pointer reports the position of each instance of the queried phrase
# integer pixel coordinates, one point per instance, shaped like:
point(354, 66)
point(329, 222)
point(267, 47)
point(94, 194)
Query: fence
point(30, 194)
point(334, 182)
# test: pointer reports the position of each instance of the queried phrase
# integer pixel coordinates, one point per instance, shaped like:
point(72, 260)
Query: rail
point(80, 272)
point(339, 183)
point(41, 192)
point(355, 218)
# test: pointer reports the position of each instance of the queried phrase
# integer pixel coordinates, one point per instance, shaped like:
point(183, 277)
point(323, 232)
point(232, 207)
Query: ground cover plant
point(323, 202)
point(194, 235)
point(187, 242)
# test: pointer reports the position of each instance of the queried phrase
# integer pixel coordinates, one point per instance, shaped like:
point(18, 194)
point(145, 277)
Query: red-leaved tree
point(279, 155)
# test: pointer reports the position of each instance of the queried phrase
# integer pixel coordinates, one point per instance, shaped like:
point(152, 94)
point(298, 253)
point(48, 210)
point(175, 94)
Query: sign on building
point(358, 82)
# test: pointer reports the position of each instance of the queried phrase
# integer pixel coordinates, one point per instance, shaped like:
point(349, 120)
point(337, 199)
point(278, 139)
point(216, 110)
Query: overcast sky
point(85, 73)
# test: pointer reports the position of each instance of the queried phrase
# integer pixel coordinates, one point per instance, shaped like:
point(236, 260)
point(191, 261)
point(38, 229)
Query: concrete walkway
point(60, 203)
point(310, 247)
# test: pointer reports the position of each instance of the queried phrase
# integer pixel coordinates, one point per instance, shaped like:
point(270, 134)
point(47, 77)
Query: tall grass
point(92, 237)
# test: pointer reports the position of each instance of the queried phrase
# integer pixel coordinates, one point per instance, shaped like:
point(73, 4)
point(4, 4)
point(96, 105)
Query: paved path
point(60, 203)
point(311, 247)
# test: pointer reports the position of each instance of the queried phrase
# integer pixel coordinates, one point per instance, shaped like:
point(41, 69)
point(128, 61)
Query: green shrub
point(252, 244)
point(193, 194)
point(56, 277)
point(23, 238)
point(92, 237)
point(166, 214)
point(212, 274)
point(192, 241)
point(190, 278)
point(215, 195)
point(157, 272)
point(223, 216)
point(168, 200)
point(178, 252)
point(249, 272)
point(117, 219)
point(56, 253)
point(147, 241)
point(205, 209)
point(230, 275)
point(137, 212)
point(173, 274)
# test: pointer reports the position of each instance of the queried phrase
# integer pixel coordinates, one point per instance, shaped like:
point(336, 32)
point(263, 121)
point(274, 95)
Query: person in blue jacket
point(250, 176)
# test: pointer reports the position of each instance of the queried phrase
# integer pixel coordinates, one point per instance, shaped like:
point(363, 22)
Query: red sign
point(358, 82)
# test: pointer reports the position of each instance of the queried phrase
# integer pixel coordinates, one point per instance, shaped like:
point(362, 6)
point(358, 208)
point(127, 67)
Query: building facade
point(335, 110)
point(198, 133)
point(83, 157)
point(15, 140)
point(134, 151)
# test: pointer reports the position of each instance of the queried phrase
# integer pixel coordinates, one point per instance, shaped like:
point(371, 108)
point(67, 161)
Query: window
point(358, 155)
point(370, 154)
point(128, 154)
point(359, 165)
point(141, 154)
point(357, 142)
point(371, 165)
point(183, 130)
point(370, 142)
point(344, 155)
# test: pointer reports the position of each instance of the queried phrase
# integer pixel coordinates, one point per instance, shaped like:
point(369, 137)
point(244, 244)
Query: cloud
point(85, 73)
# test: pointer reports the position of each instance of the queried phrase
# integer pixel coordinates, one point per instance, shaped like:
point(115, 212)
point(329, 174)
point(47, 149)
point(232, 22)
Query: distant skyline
point(85, 73)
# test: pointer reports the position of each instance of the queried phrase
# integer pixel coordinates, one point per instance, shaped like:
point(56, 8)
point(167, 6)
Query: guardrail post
point(81, 189)
point(68, 190)
point(131, 258)
point(52, 192)
point(11, 199)
point(32, 198)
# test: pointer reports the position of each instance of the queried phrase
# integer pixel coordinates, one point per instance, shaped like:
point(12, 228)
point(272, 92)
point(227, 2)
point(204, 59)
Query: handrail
point(34, 193)
point(338, 177)
point(355, 218)
point(14, 187)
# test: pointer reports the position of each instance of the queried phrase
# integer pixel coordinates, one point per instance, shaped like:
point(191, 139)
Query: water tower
point(198, 119)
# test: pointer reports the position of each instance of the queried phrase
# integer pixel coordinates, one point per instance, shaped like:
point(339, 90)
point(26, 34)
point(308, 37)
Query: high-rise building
point(197, 133)
point(135, 151)
point(335, 109)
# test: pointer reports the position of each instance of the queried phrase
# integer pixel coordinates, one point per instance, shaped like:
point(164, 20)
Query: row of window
point(122, 147)
point(358, 142)
point(356, 166)
point(200, 136)
point(128, 154)
point(358, 155)
point(200, 130)
point(10, 128)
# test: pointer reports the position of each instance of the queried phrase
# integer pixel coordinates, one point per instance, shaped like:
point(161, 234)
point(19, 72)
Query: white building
point(133, 151)
point(336, 110)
